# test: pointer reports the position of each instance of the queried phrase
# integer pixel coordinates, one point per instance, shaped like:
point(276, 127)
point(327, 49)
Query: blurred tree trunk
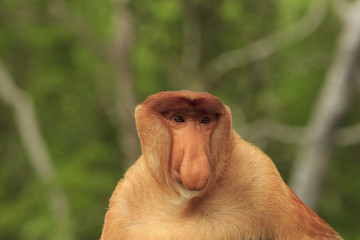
point(29, 131)
point(314, 154)
point(125, 103)
point(117, 53)
point(187, 75)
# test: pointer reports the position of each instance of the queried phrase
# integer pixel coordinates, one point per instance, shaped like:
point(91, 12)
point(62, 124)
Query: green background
point(61, 61)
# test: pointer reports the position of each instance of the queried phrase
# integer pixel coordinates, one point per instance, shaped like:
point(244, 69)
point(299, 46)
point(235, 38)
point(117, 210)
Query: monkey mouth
point(194, 187)
point(175, 175)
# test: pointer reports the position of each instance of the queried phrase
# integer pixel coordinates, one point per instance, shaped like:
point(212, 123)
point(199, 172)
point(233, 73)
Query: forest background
point(72, 72)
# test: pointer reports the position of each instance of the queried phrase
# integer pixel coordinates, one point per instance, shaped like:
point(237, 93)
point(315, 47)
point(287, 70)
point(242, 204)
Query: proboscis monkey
point(198, 180)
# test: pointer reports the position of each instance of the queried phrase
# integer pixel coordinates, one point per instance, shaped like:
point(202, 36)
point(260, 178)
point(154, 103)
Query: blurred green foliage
point(67, 80)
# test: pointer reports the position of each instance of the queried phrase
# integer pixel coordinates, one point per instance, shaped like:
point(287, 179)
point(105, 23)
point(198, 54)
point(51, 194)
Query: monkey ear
point(220, 141)
point(155, 140)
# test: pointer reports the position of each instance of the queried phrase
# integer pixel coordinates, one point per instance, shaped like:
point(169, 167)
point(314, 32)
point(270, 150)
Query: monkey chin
point(185, 194)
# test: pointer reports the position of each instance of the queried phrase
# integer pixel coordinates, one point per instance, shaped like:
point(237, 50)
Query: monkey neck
point(260, 184)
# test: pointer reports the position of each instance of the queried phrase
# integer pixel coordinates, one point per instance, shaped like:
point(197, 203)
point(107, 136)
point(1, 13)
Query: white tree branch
point(268, 45)
point(269, 128)
point(348, 136)
point(61, 13)
point(340, 7)
point(123, 92)
point(34, 143)
point(332, 103)
point(117, 54)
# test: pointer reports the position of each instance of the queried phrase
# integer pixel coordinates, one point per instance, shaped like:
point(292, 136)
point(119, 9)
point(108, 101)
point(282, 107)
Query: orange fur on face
point(197, 179)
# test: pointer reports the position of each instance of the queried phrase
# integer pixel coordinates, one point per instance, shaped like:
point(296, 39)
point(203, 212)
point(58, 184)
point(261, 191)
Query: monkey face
point(184, 129)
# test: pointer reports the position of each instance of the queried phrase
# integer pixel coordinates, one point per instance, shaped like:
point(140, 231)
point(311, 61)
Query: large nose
point(195, 165)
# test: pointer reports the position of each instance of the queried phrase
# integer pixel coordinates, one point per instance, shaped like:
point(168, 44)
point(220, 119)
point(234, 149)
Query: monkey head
point(185, 138)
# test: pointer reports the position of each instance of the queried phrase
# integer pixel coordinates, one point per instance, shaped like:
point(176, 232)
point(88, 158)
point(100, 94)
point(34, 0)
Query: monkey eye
point(205, 120)
point(179, 119)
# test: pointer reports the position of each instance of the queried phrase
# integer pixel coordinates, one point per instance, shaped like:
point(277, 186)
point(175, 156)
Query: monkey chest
point(164, 227)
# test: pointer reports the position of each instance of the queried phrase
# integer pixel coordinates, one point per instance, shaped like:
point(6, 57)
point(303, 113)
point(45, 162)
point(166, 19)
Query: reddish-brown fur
point(199, 180)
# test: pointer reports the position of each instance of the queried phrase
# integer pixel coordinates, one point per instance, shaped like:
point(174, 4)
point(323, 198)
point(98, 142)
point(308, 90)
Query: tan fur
point(245, 197)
